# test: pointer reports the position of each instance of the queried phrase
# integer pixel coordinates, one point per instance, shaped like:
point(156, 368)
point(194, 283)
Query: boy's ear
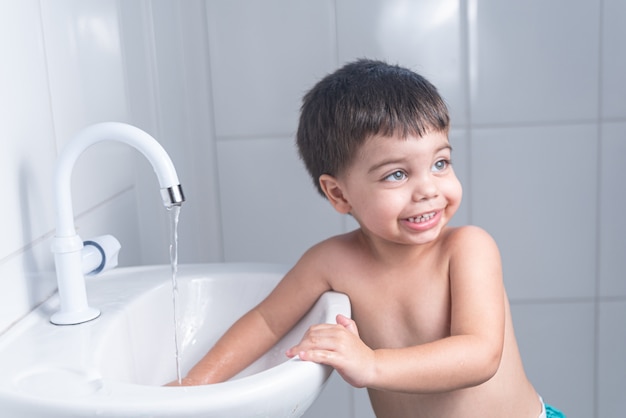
point(334, 193)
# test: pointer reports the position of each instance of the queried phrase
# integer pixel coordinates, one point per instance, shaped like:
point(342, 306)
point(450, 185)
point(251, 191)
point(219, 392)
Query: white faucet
point(67, 245)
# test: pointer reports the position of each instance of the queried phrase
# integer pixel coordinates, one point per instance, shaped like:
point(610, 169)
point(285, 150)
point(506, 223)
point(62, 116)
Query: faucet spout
point(67, 245)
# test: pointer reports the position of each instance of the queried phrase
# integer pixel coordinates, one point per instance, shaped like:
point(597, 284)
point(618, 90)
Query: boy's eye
point(441, 165)
point(396, 176)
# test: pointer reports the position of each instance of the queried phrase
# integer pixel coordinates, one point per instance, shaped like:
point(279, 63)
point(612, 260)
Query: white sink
point(115, 365)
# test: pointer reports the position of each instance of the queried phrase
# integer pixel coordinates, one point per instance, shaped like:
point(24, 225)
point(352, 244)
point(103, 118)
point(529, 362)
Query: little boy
point(431, 332)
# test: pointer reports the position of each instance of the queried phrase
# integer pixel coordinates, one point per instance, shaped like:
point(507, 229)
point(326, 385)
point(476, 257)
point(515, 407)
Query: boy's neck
point(393, 253)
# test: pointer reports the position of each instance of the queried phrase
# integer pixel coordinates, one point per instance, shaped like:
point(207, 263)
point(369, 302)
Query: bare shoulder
point(327, 257)
point(469, 238)
point(312, 275)
point(333, 247)
point(471, 248)
point(474, 257)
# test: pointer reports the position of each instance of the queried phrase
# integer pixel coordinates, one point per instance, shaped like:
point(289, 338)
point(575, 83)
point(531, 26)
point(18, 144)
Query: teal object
point(553, 412)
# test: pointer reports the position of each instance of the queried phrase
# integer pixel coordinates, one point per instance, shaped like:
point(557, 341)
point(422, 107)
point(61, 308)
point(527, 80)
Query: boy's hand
point(340, 347)
point(185, 381)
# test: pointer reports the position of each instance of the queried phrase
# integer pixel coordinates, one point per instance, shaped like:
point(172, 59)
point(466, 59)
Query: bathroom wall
point(539, 133)
point(66, 65)
point(61, 70)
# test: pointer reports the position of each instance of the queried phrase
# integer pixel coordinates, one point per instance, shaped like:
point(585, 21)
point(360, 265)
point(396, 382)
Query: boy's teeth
point(422, 218)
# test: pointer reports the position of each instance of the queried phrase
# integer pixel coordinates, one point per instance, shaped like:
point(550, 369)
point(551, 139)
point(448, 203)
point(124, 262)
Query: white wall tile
point(264, 56)
point(613, 59)
point(534, 190)
point(27, 148)
point(532, 62)
point(557, 346)
point(137, 40)
point(424, 36)
point(26, 279)
point(141, 72)
point(167, 51)
point(270, 209)
point(85, 68)
point(198, 169)
point(612, 244)
point(611, 364)
point(84, 62)
point(102, 170)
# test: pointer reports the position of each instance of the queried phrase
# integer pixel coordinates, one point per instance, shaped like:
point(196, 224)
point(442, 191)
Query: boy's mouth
point(422, 218)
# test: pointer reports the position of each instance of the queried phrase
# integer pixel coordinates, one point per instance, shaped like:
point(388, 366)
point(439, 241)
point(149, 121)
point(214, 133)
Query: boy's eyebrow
point(403, 159)
point(391, 161)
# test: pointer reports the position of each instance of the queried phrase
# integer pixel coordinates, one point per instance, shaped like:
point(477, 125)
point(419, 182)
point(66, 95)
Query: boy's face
point(402, 190)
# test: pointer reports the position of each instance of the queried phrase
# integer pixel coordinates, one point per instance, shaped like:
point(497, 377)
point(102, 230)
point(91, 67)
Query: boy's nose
point(424, 189)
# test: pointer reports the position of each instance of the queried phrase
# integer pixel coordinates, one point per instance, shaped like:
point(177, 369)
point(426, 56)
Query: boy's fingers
point(319, 356)
point(347, 323)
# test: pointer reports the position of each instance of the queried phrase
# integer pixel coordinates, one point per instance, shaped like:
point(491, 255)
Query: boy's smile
point(400, 190)
point(423, 222)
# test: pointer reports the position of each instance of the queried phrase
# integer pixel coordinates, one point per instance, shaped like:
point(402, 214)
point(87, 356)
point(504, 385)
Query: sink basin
point(115, 365)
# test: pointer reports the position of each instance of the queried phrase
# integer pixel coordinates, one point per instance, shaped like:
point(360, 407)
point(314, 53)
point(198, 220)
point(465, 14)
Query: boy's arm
point(468, 357)
point(241, 345)
point(262, 327)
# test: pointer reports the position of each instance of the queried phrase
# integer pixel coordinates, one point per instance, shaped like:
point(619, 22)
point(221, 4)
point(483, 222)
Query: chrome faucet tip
point(173, 196)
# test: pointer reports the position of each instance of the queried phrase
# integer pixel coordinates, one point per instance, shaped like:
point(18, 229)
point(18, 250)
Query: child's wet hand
point(186, 381)
point(340, 347)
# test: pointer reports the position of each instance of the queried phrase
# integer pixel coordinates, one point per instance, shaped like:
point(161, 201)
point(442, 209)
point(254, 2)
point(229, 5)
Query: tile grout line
point(598, 236)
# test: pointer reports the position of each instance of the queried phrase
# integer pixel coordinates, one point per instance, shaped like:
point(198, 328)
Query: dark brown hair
point(362, 99)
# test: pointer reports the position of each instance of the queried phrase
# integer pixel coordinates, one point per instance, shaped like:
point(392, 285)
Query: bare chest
point(400, 309)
